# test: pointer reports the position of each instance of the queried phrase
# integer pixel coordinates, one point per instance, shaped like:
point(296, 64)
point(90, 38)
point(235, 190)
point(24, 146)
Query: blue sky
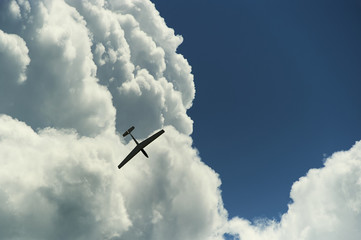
point(277, 91)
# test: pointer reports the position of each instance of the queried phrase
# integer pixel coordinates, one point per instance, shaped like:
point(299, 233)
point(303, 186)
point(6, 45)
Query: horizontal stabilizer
point(128, 131)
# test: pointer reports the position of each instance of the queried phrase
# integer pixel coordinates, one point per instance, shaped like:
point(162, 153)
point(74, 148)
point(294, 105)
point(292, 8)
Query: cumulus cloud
point(136, 58)
point(61, 88)
point(76, 73)
point(58, 185)
point(14, 58)
point(326, 204)
point(79, 72)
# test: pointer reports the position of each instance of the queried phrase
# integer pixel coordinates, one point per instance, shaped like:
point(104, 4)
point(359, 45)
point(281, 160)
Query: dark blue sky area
point(277, 87)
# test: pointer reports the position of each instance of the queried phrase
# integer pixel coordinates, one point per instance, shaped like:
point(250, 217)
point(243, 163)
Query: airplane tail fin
point(128, 131)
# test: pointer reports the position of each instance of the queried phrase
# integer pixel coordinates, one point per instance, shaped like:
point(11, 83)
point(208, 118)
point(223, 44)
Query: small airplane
point(140, 146)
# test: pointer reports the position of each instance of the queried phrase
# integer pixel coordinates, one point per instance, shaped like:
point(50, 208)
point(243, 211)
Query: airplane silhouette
point(140, 146)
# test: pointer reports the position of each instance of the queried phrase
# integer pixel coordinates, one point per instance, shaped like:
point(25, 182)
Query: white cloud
point(57, 185)
point(61, 88)
point(14, 9)
point(177, 68)
point(133, 45)
point(79, 71)
point(61, 181)
point(14, 58)
point(326, 204)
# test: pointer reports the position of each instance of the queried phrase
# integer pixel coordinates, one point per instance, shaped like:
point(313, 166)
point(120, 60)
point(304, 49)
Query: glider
point(140, 146)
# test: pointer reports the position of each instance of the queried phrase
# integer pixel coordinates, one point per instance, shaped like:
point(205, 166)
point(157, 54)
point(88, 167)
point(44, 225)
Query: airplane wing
point(150, 139)
point(130, 156)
